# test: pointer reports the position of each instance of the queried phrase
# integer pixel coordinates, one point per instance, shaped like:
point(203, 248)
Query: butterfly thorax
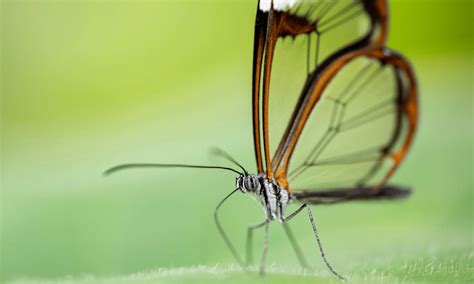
point(269, 193)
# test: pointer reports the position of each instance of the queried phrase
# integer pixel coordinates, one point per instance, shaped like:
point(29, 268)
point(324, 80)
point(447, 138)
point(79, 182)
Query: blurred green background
point(90, 84)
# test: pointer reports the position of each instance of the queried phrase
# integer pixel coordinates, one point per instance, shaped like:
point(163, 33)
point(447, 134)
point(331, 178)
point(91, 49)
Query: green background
point(90, 84)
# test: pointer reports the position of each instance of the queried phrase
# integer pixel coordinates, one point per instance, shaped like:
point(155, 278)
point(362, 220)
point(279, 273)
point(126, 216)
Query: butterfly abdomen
point(386, 192)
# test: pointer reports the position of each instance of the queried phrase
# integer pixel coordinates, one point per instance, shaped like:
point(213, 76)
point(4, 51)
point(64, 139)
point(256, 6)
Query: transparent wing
point(354, 125)
point(291, 45)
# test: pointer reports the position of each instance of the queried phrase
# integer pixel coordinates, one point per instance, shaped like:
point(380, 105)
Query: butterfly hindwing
point(355, 126)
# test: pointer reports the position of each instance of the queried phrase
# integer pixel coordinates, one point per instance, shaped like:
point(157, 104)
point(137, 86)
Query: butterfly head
point(247, 183)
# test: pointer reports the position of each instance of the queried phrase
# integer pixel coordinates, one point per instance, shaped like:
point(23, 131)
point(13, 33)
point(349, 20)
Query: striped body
point(271, 195)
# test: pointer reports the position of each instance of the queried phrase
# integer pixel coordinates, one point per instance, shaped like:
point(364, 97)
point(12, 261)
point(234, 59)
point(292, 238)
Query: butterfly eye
point(251, 183)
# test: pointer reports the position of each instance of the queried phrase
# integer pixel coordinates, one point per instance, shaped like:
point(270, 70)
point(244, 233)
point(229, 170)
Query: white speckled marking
point(278, 5)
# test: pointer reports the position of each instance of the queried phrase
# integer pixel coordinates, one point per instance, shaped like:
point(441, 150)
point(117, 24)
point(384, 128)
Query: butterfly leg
point(226, 239)
point(265, 251)
point(296, 247)
point(294, 244)
point(323, 256)
point(316, 234)
point(249, 242)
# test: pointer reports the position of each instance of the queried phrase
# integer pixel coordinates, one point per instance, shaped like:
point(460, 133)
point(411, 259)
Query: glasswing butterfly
point(334, 112)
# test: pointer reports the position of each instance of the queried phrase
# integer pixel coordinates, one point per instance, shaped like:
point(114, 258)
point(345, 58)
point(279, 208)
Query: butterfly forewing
point(289, 74)
point(291, 45)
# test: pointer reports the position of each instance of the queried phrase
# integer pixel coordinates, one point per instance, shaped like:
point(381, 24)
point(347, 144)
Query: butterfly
point(334, 113)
